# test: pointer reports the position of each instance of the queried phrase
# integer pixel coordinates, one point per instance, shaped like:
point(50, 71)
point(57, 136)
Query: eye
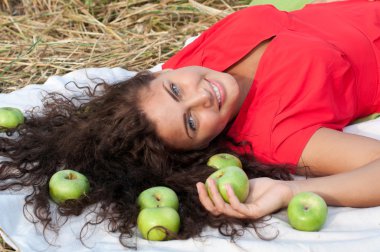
point(175, 89)
point(191, 122)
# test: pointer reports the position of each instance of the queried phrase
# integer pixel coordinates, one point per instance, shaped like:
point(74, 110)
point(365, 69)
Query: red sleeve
point(290, 100)
point(230, 39)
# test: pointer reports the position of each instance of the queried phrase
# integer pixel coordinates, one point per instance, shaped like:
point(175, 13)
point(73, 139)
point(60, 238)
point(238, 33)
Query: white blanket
point(346, 229)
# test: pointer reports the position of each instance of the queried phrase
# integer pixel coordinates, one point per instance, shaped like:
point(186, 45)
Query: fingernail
point(228, 188)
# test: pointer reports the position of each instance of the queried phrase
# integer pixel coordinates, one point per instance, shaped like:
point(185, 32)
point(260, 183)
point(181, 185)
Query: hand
point(265, 197)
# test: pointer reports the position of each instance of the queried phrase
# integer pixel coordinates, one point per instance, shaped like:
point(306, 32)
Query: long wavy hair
point(110, 140)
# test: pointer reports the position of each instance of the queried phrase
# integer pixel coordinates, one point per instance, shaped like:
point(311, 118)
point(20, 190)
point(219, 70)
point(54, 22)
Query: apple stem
point(221, 175)
point(71, 176)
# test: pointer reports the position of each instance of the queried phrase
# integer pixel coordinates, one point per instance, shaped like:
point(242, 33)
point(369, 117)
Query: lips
point(218, 91)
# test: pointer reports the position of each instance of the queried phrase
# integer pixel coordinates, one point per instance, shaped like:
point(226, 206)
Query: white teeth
point(216, 90)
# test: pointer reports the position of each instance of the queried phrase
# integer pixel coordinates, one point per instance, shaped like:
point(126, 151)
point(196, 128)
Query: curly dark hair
point(110, 140)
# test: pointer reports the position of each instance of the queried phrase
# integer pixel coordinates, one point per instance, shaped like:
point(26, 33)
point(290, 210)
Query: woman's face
point(190, 106)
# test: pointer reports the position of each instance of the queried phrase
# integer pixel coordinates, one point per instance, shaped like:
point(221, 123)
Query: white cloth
point(346, 229)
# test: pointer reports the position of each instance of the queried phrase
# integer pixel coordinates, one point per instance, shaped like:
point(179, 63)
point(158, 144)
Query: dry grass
point(4, 247)
point(40, 38)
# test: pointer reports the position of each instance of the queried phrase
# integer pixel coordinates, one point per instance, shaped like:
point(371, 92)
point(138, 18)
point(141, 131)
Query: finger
point(233, 199)
point(205, 199)
point(203, 195)
point(215, 195)
point(219, 203)
point(239, 208)
point(216, 206)
point(264, 205)
point(219, 206)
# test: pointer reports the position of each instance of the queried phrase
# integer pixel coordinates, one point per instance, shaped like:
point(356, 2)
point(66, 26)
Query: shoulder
point(231, 38)
point(292, 55)
point(298, 89)
point(309, 46)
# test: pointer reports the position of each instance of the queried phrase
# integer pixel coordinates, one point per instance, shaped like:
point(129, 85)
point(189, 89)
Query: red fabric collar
point(230, 39)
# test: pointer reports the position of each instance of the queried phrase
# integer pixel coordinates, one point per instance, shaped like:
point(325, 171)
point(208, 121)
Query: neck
point(245, 69)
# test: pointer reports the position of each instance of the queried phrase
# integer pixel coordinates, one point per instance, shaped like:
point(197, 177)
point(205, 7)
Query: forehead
point(165, 113)
point(184, 72)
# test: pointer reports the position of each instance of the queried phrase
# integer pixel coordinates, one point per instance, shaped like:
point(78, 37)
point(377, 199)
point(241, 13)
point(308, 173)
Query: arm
point(352, 166)
point(349, 164)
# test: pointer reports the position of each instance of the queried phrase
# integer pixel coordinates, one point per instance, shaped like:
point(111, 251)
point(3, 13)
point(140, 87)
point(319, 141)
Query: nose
point(202, 98)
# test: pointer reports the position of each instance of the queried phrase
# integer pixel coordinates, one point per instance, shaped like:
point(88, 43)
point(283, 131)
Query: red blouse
point(321, 69)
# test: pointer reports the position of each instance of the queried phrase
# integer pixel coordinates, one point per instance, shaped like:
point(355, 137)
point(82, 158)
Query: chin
point(204, 146)
point(233, 91)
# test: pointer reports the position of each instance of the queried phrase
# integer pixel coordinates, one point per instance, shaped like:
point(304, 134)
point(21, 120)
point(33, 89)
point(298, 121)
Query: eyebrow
point(184, 115)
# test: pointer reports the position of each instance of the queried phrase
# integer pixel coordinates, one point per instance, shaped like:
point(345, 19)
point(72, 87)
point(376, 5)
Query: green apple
point(154, 222)
point(307, 211)
point(222, 160)
point(68, 185)
point(10, 117)
point(158, 196)
point(236, 177)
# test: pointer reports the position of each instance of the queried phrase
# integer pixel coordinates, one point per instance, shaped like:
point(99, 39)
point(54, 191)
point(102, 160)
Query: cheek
point(212, 125)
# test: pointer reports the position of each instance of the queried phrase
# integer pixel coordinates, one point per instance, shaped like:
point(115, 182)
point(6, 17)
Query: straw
point(40, 38)
point(4, 246)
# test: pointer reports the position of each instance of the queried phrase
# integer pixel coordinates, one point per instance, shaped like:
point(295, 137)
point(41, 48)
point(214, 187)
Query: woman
point(288, 86)
point(160, 129)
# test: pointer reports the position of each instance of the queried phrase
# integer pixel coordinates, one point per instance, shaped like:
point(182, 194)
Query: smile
point(217, 91)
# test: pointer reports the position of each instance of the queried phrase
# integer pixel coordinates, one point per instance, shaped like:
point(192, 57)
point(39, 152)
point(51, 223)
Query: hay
point(4, 247)
point(40, 38)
